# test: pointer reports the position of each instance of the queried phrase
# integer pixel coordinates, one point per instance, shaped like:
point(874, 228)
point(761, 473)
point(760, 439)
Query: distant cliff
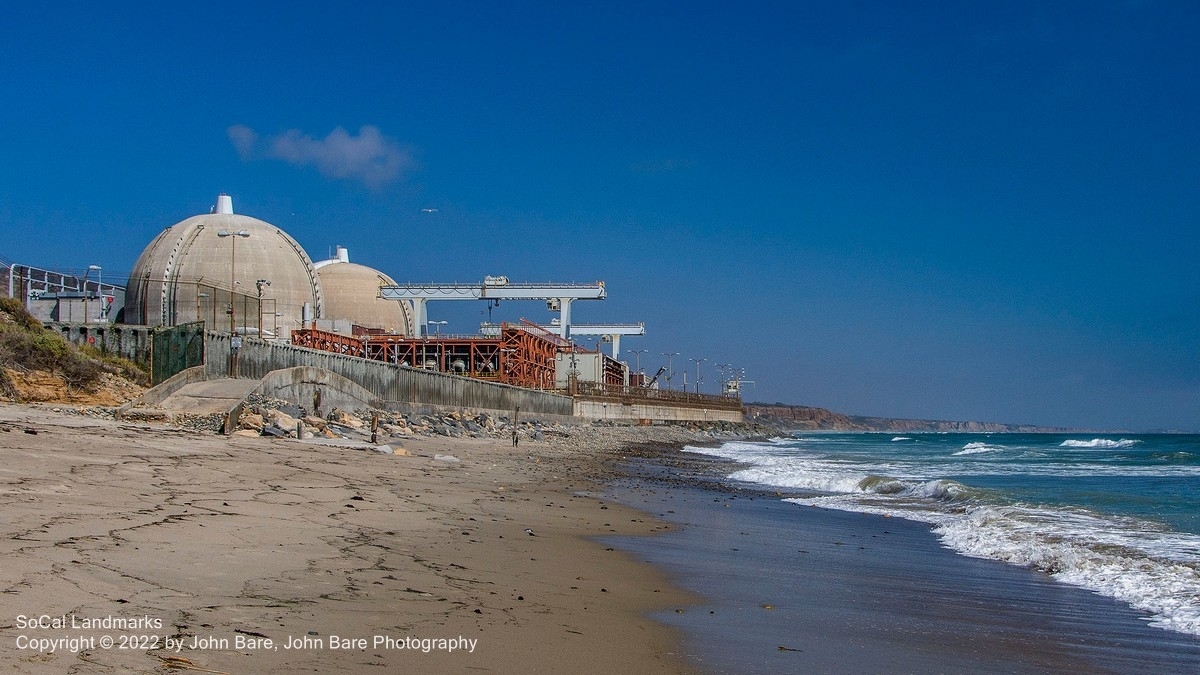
point(805, 418)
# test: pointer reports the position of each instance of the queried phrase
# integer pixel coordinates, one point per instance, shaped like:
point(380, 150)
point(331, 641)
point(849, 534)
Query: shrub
point(14, 308)
point(119, 365)
point(27, 345)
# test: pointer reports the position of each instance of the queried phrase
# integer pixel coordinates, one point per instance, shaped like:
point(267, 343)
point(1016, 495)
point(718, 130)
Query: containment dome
point(352, 297)
point(231, 271)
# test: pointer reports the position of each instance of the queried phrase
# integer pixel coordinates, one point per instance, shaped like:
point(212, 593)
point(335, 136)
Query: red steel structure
point(523, 354)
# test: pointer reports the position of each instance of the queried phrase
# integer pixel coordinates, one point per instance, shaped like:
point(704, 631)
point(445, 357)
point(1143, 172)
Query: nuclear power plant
point(220, 283)
point(249, 277)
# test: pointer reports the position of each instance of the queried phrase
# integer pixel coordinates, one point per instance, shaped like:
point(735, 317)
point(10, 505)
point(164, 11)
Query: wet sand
point(799, 589)
point(221, 544)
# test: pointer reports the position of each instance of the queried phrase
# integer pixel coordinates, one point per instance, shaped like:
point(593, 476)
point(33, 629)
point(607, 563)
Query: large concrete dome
point(352, 296)
point(187, 272)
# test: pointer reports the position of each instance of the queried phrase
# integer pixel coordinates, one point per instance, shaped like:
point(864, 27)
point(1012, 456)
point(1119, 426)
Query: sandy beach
point(138, 547)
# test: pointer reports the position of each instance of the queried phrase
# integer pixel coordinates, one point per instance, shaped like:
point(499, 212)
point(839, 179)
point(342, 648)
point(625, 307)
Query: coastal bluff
point(808, 418)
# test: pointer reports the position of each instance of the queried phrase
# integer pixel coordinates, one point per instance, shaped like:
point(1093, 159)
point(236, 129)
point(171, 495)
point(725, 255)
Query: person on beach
point(516, 438)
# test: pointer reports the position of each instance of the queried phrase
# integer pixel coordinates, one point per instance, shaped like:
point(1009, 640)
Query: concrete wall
point(131, 342)
point(398, 387)
point(392, 387)
point(318, 391)
point(617, 411)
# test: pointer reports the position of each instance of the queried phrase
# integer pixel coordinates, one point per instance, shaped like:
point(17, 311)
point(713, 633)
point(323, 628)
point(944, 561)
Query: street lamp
point(232, 267)
point(85, 290)
point(724, 378)
point(437, 334)
point(637, 358)
point(670, 368)
point(698, 362)
point(260, 284)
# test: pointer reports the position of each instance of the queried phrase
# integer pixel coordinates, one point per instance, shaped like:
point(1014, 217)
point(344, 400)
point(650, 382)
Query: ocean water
point(1116, 514)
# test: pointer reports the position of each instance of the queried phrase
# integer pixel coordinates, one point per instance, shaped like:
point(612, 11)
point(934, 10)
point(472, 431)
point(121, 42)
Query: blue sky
point(951, 210)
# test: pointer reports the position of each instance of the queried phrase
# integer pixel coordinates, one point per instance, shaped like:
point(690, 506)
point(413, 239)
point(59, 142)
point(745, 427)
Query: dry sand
point(241, 540)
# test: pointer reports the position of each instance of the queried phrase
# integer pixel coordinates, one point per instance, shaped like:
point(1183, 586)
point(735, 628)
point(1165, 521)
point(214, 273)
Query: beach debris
point(529, 531)
point(447, 458)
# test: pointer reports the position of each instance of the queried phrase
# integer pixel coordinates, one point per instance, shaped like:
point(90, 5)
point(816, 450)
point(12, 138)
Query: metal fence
point(175, 348)
point(646, 395)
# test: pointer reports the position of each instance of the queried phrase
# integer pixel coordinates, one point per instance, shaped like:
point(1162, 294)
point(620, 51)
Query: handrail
point(660, 395)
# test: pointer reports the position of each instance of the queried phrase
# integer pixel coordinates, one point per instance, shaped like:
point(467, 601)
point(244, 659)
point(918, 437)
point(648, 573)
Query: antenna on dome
point(224, 204)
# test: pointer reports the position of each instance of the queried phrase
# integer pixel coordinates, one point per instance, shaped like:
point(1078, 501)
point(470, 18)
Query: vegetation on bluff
point(28, 347)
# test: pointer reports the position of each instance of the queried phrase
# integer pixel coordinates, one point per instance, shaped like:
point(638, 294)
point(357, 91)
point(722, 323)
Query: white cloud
point(370, 156)
point(244, 139)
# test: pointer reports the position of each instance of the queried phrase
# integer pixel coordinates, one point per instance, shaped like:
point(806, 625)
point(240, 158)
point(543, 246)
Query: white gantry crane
point(610, 332)
point(557, 296)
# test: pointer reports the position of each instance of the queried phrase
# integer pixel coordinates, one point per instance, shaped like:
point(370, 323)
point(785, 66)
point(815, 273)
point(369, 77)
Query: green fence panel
point(175, 348)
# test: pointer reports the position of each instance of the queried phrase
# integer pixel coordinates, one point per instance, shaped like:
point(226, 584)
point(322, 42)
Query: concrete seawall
point(396, 386)
point(617, 410)
point(390, 386)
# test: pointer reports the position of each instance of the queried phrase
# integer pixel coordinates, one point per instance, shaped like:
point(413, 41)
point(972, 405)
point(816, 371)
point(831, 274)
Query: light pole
point(85, 290)
point(698, 362)
point(670, 368)
point(724, 378)
point(232, 267)
point(638, 358)
point(441, 350)
point(259, 284)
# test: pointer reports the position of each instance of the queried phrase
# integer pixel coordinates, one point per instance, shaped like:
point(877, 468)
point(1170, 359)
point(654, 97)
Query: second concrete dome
point(352, 296)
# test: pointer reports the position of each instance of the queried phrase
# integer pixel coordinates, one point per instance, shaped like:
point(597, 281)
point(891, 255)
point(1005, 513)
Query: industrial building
point(216, 268)
point(241, 276)
point(245, 276)
point(352, 302)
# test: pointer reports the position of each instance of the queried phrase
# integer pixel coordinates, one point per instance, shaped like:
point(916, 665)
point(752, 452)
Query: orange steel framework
point(523, 354)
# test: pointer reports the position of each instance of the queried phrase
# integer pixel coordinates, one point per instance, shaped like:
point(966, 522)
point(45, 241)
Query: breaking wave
point(1105, 443)
point(978, 448)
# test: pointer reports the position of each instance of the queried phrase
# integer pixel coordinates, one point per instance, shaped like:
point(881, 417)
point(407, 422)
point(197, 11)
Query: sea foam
point(978, 448)
point(1106, 443)
point(1137, 561)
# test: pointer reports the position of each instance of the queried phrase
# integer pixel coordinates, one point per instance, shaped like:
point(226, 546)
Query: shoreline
point(241, 546)
point(803, 589)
